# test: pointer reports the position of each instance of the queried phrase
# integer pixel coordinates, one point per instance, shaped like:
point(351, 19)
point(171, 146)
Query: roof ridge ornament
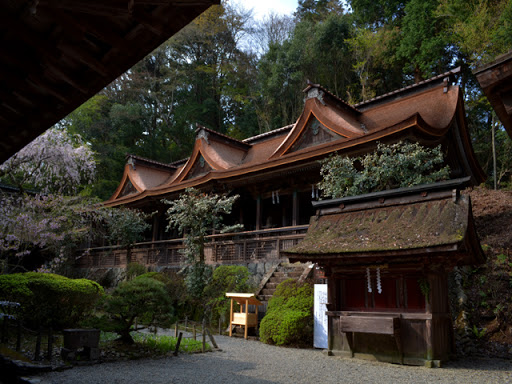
point(203, 134)
point(131, 161)
point(315, 92)
point(446, 84)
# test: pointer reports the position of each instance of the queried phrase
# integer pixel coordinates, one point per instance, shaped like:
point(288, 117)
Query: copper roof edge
point(269, 133)
point(332, 95)
point(433, 81)
point(239, 143)
point(497, 61)
point(438, 186)
point(151, 162)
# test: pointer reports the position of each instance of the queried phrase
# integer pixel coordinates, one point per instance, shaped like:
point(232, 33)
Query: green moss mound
point(289, 317)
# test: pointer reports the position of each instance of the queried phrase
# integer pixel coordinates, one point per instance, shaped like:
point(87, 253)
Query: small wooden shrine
point(387, 256)
point(244, 317)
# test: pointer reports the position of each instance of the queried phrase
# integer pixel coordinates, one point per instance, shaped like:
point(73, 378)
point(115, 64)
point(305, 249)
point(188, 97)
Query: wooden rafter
point(58, 53)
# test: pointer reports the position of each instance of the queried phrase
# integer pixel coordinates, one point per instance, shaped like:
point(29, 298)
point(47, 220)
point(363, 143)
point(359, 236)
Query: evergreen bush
point(135, 269)
point(399, 165)
point(289, 317)
point(50, 300)
point(226, 278)
point(144, 299)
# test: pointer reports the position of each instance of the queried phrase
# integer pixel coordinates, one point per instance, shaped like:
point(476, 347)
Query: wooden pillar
point(332, 291)
point(246, 317)
point(156, 223)
point(295, 213)
point(258, 213)
point(256, 316)
point(231, 318)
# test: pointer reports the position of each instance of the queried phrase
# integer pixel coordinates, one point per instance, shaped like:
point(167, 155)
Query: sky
point(262, 7)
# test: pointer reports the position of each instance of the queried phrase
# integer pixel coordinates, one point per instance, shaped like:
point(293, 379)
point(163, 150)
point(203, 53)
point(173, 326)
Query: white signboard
point(320, 325)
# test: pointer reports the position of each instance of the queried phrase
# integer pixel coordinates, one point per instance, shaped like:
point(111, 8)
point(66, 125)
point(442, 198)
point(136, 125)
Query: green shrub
point(399, 165)
point(177, 291)
point(226, 278)
point(144, 298)
point(134, 269)
point(289, 317)
point(50, 300)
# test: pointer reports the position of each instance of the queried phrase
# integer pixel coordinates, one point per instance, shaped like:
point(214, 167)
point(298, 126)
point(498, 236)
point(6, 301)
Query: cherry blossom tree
point(55, 162)
point(44, 229)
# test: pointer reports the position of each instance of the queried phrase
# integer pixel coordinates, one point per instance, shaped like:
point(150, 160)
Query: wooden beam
point(27, 92)
point(29, 37)
point(60, 74)
point(44, 87)
point(104, 32)
point(91, 7)
point(84, 57)
point(150, 22)
point(14, 110)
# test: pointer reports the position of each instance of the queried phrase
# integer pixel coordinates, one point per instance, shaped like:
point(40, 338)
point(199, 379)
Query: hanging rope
point(369, 280)
point(379, 285)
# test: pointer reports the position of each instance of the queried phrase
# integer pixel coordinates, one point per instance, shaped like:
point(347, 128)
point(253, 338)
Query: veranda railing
point(250, 246)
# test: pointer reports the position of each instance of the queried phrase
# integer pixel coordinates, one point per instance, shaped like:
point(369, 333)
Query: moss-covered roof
point(423, 224)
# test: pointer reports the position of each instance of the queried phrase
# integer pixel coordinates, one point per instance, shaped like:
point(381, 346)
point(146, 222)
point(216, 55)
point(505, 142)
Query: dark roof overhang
point(56, 54)
point(496, 81)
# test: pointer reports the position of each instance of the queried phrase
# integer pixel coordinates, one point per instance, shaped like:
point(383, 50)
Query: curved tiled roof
point(431, 113)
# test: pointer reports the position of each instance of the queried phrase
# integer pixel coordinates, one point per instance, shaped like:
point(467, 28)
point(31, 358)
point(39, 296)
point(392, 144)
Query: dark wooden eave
point(496, 81)
point(56, 54)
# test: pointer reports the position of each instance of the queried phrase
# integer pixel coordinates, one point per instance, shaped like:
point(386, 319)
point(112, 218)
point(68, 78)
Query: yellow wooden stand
point(243, 318)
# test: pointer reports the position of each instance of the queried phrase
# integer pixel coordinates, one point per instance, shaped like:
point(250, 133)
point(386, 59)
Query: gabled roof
point(212, 151)
point(431, 113)
point(141, 174)
point(393, 226)
point(56, 54)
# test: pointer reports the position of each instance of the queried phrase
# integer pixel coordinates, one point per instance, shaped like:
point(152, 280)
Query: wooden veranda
point(232, 248)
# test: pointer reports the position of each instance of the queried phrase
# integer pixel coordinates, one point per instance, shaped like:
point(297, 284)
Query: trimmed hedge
point(289, 317)
point(50, 300)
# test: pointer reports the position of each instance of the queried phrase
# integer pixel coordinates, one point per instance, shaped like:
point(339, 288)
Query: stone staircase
point(277, 275)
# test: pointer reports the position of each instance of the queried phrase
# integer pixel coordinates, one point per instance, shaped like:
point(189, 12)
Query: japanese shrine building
point(276, 173)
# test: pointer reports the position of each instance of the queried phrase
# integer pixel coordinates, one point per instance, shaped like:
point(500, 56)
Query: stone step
point(295, 274)
point(271, 285)
point(279, 274)
point(267, 291)
point(277, 280)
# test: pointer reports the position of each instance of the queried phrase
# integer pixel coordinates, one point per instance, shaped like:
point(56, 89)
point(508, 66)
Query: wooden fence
point(229, 248)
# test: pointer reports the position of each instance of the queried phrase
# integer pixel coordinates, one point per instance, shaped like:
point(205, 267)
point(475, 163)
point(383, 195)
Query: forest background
point(242, 77)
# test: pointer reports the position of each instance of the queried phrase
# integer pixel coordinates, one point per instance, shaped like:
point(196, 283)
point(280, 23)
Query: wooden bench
point(382, 325)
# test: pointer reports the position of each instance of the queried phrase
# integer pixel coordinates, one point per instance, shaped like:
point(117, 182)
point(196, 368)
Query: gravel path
point(247, 361)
